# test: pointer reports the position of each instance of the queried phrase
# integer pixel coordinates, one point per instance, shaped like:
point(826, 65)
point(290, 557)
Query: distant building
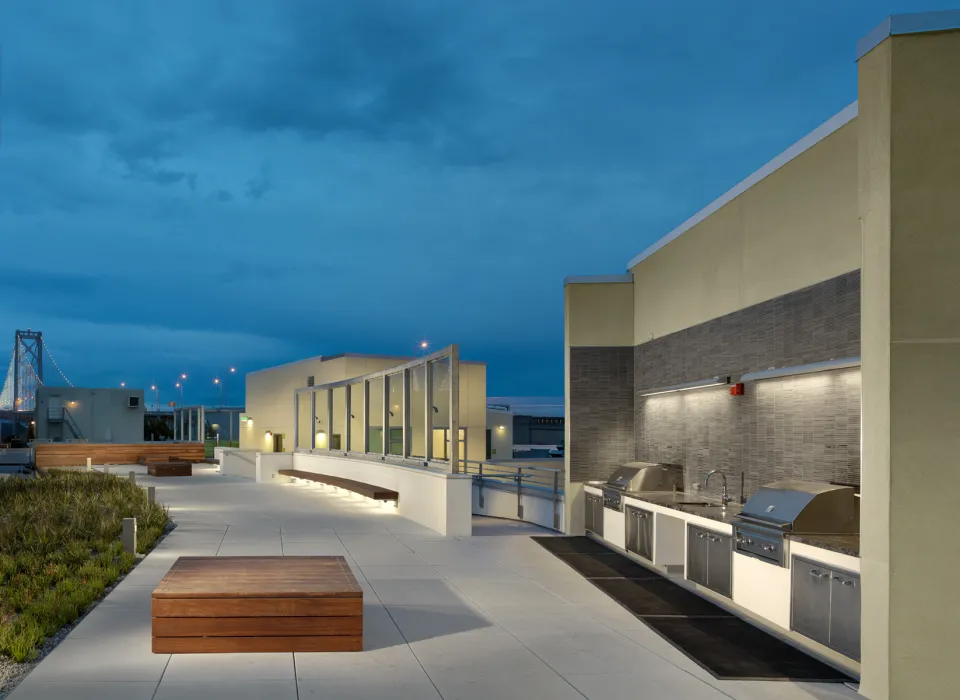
point(96, 415)
point(535, 425)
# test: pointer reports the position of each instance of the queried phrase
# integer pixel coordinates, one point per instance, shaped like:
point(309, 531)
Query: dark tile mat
point(657, 596)
point(732, 649)
point(723, 644)
point(579, 545)
point(605, 565)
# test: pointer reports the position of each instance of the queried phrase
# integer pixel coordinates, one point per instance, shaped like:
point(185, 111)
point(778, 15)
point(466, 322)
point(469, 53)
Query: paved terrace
point(493, 616)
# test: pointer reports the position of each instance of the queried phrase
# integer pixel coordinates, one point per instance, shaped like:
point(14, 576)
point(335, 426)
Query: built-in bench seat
point(377, 493)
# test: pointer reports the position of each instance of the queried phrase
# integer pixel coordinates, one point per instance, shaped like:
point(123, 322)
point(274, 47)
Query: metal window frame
point(450, 353)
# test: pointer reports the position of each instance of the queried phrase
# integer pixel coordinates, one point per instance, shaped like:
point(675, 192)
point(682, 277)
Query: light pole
point(123, 385)
point(216, 380)
point(156, 395)
point(233, 370)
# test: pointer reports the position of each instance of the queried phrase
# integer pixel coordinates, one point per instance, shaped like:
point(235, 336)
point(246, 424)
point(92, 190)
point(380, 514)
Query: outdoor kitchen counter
point(678, 501)
point(842, 544)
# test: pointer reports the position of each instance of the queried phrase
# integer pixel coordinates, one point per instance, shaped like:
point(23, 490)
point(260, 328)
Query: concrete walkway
point(492, 616)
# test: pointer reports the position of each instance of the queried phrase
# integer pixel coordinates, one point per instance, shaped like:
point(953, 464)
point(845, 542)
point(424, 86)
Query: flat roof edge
point(598, 279)
point(913, 23)
point(843, 117)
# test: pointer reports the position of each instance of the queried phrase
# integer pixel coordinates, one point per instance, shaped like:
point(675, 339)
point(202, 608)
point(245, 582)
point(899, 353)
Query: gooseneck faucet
point(725, 498)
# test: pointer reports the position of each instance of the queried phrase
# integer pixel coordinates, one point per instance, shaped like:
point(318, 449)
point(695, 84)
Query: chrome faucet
point(725, 498)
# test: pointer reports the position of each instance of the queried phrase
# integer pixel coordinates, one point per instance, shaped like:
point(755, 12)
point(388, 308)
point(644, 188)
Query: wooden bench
point(170, 468)
point(257, 604)
point(377, 493)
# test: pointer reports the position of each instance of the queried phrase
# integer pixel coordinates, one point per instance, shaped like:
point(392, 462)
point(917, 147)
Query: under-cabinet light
point(774, 372)
point(687, 386)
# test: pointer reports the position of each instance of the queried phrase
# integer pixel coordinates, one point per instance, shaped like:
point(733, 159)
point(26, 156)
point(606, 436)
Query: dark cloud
point(315, 176)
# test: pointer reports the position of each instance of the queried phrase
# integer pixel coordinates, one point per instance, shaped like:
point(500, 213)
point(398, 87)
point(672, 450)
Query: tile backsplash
point(601, 411)
point(803, 427)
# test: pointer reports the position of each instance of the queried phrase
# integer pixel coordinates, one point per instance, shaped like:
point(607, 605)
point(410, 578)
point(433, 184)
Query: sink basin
point(691, 503)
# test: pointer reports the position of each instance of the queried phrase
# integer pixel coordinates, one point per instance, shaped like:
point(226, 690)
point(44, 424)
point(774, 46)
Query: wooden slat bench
point(170, 468)
point(377, 493)
point(257, 604)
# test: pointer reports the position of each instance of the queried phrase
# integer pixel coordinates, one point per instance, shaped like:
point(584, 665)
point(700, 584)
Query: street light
point(216, 380)
point(122, 384)
point(180, 387)
point(156, 392)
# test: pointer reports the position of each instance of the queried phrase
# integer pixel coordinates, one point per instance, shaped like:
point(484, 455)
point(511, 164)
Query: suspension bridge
point(25, 374)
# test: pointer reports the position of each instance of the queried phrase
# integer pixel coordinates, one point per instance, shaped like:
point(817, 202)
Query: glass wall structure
point(407, 412)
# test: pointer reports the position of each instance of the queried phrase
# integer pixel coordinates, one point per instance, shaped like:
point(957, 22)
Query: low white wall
point(239, 463)
point(269, 465)
point(498, 503)
point(433, 499)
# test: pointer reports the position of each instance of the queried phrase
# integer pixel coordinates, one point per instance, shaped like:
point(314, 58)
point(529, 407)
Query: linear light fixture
point(773, 373)
point(699, 384)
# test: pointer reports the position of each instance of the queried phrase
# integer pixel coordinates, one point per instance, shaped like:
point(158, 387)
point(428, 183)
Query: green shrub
point(60, 548)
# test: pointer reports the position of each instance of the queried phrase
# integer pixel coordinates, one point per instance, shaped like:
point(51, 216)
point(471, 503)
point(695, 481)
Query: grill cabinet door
point(631, 523)
point(845, 613)
point(810, 600)
point(697, 555)
point(645, 534)
point(719, 563)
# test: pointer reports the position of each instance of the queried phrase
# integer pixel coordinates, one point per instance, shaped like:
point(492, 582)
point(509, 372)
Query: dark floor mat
point(720, 642)
point(658, 596)
point(605, 565)
point(580, 545)
point(732, 649)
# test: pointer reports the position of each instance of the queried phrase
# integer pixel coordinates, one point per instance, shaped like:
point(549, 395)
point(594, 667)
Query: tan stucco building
point(846, 246)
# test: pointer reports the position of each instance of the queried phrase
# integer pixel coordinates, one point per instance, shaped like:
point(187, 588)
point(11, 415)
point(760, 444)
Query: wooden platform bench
point(170, 468)
point(257, 604)
point(377, 493)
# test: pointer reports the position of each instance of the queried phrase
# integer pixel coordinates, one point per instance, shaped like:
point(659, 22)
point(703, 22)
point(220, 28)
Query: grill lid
point(804, 506)
point(622, 476)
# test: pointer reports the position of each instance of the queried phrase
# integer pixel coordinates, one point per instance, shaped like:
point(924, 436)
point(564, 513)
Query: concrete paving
point(492, 616)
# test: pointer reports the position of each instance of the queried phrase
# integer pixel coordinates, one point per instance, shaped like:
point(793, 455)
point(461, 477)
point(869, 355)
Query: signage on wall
point(172, 404)
point(244, 417)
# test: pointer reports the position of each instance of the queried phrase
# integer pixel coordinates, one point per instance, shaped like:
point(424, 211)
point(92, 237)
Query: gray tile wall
point(805, 427)
point(601, 411)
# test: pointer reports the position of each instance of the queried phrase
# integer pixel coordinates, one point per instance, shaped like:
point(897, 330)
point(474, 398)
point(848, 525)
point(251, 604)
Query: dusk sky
point(190, 185)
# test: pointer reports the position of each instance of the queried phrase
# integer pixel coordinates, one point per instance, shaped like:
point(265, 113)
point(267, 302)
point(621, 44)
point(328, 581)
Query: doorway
point(278, 442)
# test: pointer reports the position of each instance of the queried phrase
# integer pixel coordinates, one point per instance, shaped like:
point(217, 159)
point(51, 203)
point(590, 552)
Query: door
point(489, 443)
point(845, 613)
point(278, 442)
point(645, 534)
point(631, 522)
point(810, 600)
point(697, 555)
point(719, 561)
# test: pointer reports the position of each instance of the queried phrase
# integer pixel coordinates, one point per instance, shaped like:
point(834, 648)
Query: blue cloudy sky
point(192, 184)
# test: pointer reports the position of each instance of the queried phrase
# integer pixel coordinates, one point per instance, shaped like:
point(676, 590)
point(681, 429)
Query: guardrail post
point(480, 482)
point(556, 500)
point(89, 464)
point(130, 535)
point(133, 478)
point(151, 494)
point(519, 478)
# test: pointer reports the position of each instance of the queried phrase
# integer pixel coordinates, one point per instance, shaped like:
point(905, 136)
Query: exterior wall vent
point(310, 380)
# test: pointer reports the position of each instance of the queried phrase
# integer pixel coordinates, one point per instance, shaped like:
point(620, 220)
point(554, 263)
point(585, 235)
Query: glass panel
point(418, 403)
point(395, 415)
point(440, 370)
point(337, 420)
point(356, 417)
point(323, 420)
point(441, 443)
point(375, 416)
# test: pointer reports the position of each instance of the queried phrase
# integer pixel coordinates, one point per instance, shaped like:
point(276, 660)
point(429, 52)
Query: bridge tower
point(25, 374)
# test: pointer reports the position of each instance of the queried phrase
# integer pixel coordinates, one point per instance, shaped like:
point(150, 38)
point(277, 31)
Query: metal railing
point(533, 480)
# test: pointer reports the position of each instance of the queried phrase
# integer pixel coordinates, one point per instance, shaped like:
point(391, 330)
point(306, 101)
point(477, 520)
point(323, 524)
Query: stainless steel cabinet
point(638, 524)
point(825, 606)
point(709, 559)
point(593, 515)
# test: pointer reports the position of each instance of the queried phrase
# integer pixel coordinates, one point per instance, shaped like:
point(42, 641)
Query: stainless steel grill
point(785, 507)
point(640, 476)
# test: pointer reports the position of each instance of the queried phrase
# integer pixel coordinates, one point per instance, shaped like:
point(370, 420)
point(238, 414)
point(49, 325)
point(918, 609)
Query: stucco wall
point(794, 228)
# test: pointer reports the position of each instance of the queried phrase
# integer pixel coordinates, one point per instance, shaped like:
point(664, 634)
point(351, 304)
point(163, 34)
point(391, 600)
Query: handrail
point(548, 481)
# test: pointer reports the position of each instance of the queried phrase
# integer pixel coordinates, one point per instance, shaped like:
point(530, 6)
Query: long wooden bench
point(377, 493)
point(257, 604)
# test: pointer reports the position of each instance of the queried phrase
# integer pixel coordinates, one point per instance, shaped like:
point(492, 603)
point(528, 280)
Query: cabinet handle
point(848, 582)
point(819, 574)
